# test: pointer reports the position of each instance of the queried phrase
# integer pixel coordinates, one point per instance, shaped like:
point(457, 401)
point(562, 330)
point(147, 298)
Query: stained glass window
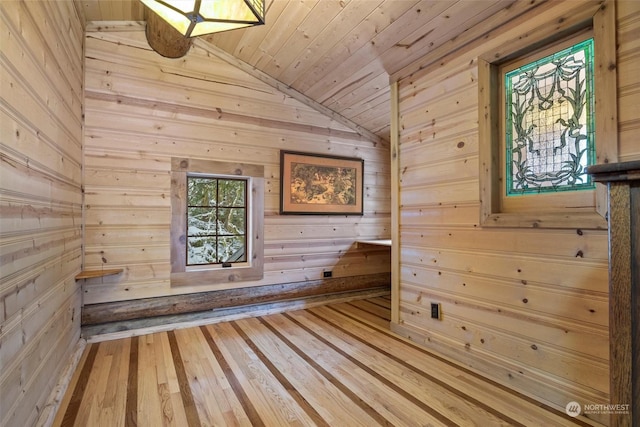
point(550, 123)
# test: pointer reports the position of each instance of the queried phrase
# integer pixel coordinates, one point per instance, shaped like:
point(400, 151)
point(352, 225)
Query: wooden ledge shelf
point(382, 242)
point(90, 274)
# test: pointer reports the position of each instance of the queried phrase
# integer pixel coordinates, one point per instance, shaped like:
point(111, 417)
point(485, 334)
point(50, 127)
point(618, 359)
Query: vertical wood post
point(623, 182)
point(163, 38)
point(395, 204)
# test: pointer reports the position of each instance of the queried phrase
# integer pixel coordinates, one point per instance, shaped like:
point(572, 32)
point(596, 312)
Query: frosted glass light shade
point(197, 17)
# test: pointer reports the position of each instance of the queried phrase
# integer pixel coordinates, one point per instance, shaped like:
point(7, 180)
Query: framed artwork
point(317, 184)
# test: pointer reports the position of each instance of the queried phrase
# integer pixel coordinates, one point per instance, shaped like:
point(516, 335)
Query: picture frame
point(318, 184)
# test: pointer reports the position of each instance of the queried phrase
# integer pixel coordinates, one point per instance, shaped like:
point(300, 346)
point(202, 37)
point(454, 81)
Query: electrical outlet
point(435, 310)
point(327, 274)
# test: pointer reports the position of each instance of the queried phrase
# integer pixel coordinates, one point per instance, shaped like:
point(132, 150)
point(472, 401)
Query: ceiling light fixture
point(198, 17)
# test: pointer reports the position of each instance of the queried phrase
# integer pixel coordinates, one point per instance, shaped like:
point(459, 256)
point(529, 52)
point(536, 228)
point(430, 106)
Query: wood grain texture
point(40, 203)
point(340, 54)
point(80, 386)
point(127, 147)
point(620, 295)
point(394, 161)
point(336, 364)
point(91, 274)
point(623, 186)
point(128, 328)
point(628, 13)
point(143, 110)
point(635, 302)
point(180, 304)
point(165, 39)
point(584, 209)
point(504, 293)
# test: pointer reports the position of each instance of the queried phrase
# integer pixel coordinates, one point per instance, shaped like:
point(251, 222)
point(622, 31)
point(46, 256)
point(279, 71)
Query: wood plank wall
point(142, 109)
point(40, 201)
point(527, 307)
point(628, 33)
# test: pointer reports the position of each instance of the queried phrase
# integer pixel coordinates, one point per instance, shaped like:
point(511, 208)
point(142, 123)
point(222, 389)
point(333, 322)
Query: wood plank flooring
point(333, 365)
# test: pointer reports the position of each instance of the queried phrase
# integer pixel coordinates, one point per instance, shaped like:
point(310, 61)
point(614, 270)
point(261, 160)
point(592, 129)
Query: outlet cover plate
point(435, 310)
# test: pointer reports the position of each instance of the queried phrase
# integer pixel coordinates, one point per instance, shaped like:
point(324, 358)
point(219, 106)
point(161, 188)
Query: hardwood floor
point(334, 365)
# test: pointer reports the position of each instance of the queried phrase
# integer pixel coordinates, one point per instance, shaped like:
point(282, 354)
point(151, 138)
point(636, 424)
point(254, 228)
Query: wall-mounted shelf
point(90, 274)
point(380, 242)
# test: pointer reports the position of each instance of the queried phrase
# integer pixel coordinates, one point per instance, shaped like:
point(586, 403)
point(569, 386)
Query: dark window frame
point(218, 206)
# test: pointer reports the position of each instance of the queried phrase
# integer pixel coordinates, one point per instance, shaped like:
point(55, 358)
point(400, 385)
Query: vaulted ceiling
point(343, 53)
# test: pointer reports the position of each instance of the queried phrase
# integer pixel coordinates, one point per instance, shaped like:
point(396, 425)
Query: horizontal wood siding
point(40, 202)
point(528, 308)
point(628, 32)
point(142, 109)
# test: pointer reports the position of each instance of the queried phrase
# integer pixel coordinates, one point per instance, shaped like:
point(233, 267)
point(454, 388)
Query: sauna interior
point(108, 115)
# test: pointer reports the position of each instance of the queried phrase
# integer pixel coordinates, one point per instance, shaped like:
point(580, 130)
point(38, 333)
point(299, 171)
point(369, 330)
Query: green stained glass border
point(521, 179)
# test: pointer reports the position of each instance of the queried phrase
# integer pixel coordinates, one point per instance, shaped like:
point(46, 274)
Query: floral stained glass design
point(550, 123)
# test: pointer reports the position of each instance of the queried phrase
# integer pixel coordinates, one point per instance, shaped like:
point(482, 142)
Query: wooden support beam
point(163, 38)
point(189, 303)
point(395, 203)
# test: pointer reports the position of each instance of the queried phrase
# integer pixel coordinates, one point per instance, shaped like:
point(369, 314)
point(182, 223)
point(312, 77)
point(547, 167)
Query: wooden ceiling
point(343, 53)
